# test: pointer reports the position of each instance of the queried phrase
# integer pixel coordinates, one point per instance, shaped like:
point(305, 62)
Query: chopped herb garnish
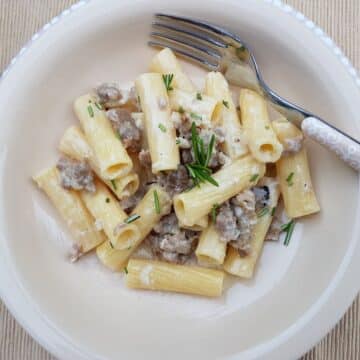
point(162, 127)
point(132, 218)
point(254, 177)
point(168, 78)
point(107, 200)
point(214, 212)
point(262, 212)
point(273, 211)
point(198, 96)
point(289, 179)
point(240, 51)
point(138, 99)
point(195, 116)
point(225, 103)
point(112, 246)
point(288, 229)
point(118, 135)
point(126, 270)
point(181, 110)
point(90, 111)
point(178, 142)
point(113, 183)
point(98, 106)
point(198, 170)
point(156, 202)
point(267, 127)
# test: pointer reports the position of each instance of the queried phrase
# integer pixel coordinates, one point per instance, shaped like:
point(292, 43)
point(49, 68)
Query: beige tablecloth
point(19, 19)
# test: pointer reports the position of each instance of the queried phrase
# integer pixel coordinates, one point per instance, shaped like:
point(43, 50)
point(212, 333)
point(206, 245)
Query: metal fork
point(218, 49)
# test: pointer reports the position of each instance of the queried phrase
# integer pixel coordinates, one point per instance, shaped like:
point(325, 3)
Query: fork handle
point(346, 148)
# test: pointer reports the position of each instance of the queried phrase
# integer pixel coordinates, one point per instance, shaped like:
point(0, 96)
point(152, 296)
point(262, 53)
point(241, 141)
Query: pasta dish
point(177, 186)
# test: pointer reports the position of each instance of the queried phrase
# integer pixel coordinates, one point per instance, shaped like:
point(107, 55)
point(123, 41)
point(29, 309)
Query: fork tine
point(200, 24)
point(197, 35)
point(190, 44)
point(203, 62)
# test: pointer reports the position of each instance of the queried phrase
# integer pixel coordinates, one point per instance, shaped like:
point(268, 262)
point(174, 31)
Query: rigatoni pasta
point(165, 62)
point(160, 131)
point(168, 182)
point(148, 217)
point(261, 137)
point(74, 144)
point(225, 114)
point(112, 158)
point(71, 209)
point(156, 275)
point(240, 175)
point(108, 214)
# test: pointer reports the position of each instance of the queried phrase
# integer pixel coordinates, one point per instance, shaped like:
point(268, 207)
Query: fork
point(218, 49)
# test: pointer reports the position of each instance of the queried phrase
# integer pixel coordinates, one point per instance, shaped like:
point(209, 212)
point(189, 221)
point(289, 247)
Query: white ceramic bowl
point(81, 311)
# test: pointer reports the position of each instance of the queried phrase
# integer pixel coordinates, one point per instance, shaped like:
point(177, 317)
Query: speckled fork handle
point(346, 148)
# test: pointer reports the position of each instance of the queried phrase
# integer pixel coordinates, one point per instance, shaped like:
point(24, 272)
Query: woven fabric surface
point(19, 19)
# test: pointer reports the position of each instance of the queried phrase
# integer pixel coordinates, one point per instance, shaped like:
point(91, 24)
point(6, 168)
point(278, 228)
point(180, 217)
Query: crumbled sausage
point(171, 243)
point(236, 219)
point(108, 93)
point(125, 126)
point(175, 182)
point(75, 175)
point(145, 158)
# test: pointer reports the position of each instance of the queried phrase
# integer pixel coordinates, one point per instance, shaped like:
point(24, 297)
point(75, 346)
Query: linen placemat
point(19, 19)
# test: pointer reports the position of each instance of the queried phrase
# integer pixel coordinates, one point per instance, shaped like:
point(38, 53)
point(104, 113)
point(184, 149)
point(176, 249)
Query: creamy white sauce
point(145, 275)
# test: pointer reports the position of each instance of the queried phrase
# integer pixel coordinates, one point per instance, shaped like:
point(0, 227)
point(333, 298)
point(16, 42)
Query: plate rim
point(273, 347)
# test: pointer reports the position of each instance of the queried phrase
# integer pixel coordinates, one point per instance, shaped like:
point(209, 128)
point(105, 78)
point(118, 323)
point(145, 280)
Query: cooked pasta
point(112, 158)
point(192, 205)
point(74, 144)
point(156, 275)
point(165, 62)
point(226, 115)
point(261, 137)
point(172, 186)
point(160, 131)
point(71, 209)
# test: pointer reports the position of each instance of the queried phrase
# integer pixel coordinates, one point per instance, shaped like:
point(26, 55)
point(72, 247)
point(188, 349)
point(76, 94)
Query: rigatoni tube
point(156, 275)
point(149, 217)
point(192, 205)
point(160, 131)
point(225, 115)
point(112, 158)
point(262, 140)
point(200, 106)
point(210, 249)
point(74, 144)
point(106, 210)
point(71, 209)
point(165, 62)
point(296, 185)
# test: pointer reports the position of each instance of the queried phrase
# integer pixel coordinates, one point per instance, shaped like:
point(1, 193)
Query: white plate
point(81, 311)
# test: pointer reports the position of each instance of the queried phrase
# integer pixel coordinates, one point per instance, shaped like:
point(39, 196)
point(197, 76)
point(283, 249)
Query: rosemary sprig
point(132, 218)
point(198, 170)
point(225, 103)
point(162, 127)
point(126, 270)
point(168, 78)
point(195, 116)
point(289, 179)
point(156, 202)
point(198, 96)
point(288, 228)
point(265, 210)
point(113, 183)
point(90, 111)
point(214, 212)
point(254, 177)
